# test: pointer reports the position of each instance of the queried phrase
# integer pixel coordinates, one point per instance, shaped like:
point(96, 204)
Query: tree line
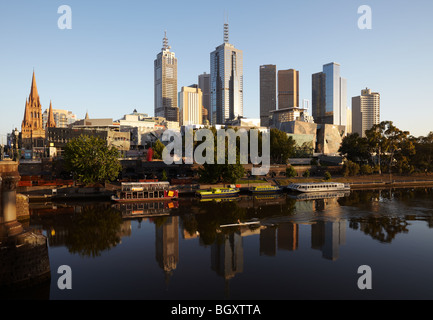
point(388, 149)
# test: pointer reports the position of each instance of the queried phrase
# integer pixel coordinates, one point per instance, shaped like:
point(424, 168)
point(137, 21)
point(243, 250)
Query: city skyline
point(104, 64)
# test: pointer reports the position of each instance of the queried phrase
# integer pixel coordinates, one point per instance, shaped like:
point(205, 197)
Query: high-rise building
point(190, 105)
point(165, 67)
point(32, 130)
point(268, 93)
point(329, 96)
point(365, 111)
point(62, 118)
point(288, 89)
point(204, 85)
point(226, 69)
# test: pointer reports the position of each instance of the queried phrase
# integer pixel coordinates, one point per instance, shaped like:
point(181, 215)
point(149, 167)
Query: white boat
point(319, 186)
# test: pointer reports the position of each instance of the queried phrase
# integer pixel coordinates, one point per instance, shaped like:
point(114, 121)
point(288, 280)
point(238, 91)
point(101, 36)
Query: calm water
point(297, 249)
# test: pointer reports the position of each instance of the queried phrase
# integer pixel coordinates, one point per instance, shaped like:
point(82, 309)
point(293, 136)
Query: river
point(289, 249)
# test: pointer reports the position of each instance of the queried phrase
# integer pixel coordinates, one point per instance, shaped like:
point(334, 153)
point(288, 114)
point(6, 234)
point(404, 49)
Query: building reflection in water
point(328, 236)
point(167, 245)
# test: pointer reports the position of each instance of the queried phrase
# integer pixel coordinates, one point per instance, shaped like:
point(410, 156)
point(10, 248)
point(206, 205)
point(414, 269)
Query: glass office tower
point(329, 101)
point(226, 82)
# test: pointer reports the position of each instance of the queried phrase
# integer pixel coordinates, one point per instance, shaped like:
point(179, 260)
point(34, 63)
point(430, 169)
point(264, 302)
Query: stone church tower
point(32, 131)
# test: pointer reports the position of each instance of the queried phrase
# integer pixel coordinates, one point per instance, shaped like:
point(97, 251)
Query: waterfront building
point(226, 69)
point(288, 89)
point(268, 89)
point(165, 77)
point(365, 111)
point(329, 96)
point(191, 105)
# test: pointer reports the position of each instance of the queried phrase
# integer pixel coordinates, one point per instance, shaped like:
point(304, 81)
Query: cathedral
point(32, 130)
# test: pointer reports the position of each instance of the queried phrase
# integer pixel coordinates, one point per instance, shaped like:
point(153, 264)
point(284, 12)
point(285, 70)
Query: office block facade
point(226, 69)
point(365, 111)
point(191, 106)
point(165, 75)
point(268, 93)
point(288, 89)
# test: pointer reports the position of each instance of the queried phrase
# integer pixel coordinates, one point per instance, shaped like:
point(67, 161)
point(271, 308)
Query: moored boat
point(265, 189)
point(319, 187)
point(145, 191)
point(228, 192)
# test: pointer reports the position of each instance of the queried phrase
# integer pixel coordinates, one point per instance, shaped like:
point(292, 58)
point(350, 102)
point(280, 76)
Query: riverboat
point(228, 192)
point(145, 191)
point(265, 189)
point(319, 187)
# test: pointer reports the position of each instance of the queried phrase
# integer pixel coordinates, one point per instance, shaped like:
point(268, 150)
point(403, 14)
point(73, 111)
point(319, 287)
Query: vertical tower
point(204, 85)
point(165, 75)
point(288, 89)
point(32, 131)
point(226, 68)
point(329, 101)
point(268, 91)
point(190, 105)
point(365, 111)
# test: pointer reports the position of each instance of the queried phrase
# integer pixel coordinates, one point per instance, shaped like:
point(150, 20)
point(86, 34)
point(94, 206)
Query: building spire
point(50, 122)
point(34, 89)
point(226, 29)
point(165, 45)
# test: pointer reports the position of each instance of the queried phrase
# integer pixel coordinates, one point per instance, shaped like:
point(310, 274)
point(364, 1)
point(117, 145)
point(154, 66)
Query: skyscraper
point(288, 89)
point(268, 91)
point(226, 69)
point(190, 105)
point(365, 111)
point(329, 96)
point(165, 67)
point(204, 85)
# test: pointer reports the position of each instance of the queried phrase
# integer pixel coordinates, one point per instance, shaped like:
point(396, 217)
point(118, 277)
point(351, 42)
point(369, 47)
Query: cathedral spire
point(50, 122)
point(34, 90)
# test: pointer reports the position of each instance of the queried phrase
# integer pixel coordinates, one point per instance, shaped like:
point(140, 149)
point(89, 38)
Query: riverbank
point(43, 194)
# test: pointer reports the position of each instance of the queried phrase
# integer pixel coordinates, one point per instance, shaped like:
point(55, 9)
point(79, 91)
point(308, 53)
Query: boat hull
point(214, 196)
point(120, 200)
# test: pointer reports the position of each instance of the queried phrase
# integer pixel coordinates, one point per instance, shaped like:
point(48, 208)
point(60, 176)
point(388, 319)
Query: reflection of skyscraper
point(167, 245)
point(327, 236)
point(268, 241)
point(288, 235)
point(227, 255)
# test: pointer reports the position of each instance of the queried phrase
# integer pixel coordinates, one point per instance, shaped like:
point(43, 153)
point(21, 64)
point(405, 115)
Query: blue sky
point(104, 64)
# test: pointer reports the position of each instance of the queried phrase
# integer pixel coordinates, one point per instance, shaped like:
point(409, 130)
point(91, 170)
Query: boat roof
point(143, 183)
point(316, 183)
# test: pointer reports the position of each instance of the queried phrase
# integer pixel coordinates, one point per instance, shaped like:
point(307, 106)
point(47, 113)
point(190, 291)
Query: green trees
point(282, 147)
point(387, 148)
point(158, 147)
point(91, 160)
point(291, 172)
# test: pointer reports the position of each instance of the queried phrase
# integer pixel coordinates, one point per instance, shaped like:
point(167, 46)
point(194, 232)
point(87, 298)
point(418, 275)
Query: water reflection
point(282, 223)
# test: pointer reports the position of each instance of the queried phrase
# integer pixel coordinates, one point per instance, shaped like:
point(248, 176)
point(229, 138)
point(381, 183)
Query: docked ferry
point(145, 191)
point(265, 189)
point(319, 187)
point(218, 193)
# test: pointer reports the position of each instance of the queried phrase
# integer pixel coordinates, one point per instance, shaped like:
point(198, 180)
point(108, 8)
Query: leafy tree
point(282, 147)
point(158, 147)
point(366, 169)
point(226, 173)
point(164, 175)
point(355, 148)
point(291, 172)
point(350, 168)
point(327, 175)
point(306, 173)
point(91, 160)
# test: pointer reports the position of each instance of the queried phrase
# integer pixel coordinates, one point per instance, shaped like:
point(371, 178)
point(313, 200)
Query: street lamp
point(16, 133)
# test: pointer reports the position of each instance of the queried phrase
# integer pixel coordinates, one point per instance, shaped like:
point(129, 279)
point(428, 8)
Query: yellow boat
point(265, 189)
point(218, 193)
